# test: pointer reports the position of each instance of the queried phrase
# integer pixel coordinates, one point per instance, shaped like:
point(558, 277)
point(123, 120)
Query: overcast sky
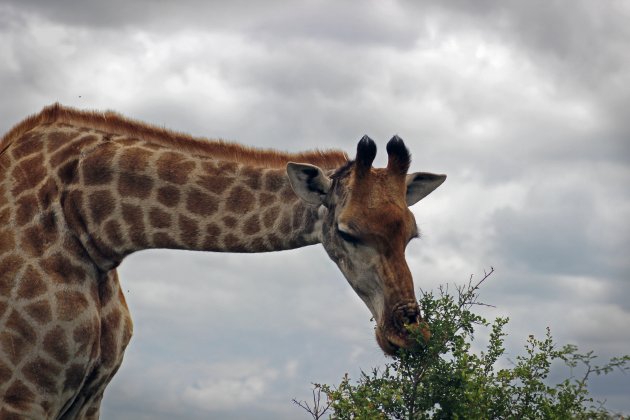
point(523, 104)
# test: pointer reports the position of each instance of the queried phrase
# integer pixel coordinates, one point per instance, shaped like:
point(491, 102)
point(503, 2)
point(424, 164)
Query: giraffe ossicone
point(79, 191)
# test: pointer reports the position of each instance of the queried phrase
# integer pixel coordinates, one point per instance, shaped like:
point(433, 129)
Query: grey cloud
point(143, 13)
point(564, 33)
point(560, 229)
point(580, 45)
point(375, 23)
point(548, 240)
point(277, 20)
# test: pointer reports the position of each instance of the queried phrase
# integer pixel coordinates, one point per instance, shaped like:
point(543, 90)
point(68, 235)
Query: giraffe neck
point(132, 195)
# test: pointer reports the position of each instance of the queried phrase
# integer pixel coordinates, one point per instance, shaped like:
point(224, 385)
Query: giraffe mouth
point(391, 342)
point(399, 329)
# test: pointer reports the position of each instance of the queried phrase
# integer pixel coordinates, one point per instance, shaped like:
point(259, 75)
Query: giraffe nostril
point(410, 318)
point(408, 314)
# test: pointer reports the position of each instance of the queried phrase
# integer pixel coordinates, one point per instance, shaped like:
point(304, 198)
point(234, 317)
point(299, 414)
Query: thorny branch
point(468, 293)
point(317, 410)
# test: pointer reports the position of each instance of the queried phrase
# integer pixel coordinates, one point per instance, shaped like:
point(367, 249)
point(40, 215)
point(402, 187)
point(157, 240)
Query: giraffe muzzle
point(406, 314)
point(406, 319)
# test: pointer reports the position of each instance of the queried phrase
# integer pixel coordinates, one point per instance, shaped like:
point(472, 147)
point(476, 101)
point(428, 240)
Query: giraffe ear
point(421, 184)
point(309, 182)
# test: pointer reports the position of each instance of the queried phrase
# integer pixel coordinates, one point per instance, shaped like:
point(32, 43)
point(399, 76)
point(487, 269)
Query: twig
point(316, 411)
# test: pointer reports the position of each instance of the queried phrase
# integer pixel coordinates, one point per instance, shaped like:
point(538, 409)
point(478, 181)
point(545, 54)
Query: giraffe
point(81, 190)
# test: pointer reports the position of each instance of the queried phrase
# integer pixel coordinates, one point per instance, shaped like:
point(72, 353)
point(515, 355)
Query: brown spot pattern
point(68, 171)
point(31, 284)
point(266, 199)
point(71, 149)
point(5, 215)
point(285, 224)
point(239, 200)
point(57, 139)
point(33, 241)
point(215, 183)
point(21, 327)
point(135, 185)
point(60, 269)
point(3, 198)
point(213, 230)
point(70, 304)
point(83, 336)
point(26, 208)
point(230, 221)
point(49, 223)
point(134, 218)
point(133, 159)
point(159, 218)
point(270, 215)
point(40, 311)
point(252, 225)
point(228, 168)
point(201, 203)
point(189, 230)
point(18, 396)
point(14, 345)
point(56, 345)
point(169, 196)
point(274, 181)
point(276, 242)
point(258, 244)
point(102, 205)
point(233, 243)
point(113, 233)
point(105, 291)
point(5, 373)
point(47, 193)
point(8, 269)
point(251, 177)
point(287, 194)
point(109, 327)
point(42, 373)
point(74, 376)
point(30, 143)
point(7, 241)
point(298, 215)
point(96, 168)
point(163, 240)
point(174, 167)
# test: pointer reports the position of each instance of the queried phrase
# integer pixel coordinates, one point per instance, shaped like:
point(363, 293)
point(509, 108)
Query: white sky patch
point(229, 385)
point(357, 351)
point(291, 368)
point(593, 323)
point(584, 288)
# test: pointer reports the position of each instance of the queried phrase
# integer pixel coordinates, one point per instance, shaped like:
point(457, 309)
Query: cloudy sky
point(523, 104)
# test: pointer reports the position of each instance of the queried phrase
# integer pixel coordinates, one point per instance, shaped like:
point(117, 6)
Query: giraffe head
point(366, 227)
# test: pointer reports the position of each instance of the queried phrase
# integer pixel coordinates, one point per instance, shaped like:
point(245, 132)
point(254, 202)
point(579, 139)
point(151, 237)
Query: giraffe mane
point(114, 123)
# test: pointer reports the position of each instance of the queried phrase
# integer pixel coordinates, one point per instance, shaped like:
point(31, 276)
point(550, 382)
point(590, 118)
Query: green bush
point(444, 379)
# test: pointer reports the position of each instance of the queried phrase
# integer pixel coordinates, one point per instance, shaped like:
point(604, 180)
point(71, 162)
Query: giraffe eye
point(348, 237)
